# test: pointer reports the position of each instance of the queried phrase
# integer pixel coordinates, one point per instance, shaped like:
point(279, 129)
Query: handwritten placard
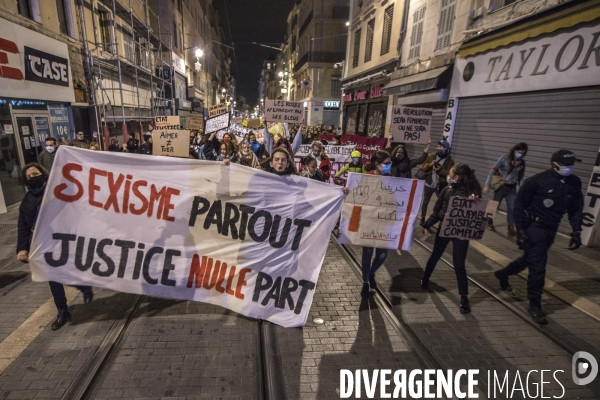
point(467, 219)
point(411, 125)
point(217, 123)
point(171, 142)
point(167, 122)
point(195, 123)
point(284, 111)
point(380, 211)
point(334, 152)
point(217, 110)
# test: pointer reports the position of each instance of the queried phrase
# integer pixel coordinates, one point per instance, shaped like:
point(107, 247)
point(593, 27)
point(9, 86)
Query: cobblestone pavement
point(185, 350)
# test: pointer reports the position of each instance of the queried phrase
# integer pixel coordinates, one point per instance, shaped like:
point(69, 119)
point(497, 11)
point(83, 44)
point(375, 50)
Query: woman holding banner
point(311, 169)
point(280, 163)
point(36, 178)
point(247, 156)
point(462, 182)
point(381, 164)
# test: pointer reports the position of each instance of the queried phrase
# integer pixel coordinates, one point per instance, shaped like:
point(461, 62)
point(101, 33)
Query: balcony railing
point(319, 57)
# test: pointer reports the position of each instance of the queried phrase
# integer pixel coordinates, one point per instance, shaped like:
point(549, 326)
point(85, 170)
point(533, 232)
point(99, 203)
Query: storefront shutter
point(487, 127)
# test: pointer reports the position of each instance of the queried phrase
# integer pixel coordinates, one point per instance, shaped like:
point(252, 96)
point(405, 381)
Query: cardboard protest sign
point(195, 123)
point(284, 111)
point(254, 123)
point(171, 142)
point(185, 229)
point(217, 123)
point(217, 110)
point(411, 125)
point(467, 219)
point(380, 211)
point(172, 122)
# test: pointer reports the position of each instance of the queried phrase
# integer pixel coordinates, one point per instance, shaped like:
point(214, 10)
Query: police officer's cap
point(444, 143)
point(565, 157)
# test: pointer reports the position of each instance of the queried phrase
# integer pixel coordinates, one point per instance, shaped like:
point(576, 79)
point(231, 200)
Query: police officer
point(539, 207)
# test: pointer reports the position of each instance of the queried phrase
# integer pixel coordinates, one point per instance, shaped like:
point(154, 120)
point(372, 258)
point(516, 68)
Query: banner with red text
point(241, 238)
point(380, 211)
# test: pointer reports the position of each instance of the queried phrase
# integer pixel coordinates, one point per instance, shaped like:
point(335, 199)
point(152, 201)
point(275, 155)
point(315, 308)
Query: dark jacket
point(318, 176)
point(116, 149)
point(548, 196)
point(260, 150)
point(403, 169)
point(28, 212)
point(47, 159)
point(441, 205)
point(211, 148)
point(442, 173)
point(133, 145)
point(146, 148)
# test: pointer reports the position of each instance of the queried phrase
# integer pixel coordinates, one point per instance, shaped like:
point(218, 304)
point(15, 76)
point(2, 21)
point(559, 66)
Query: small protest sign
point(411, 125)
point(380, 211)
point(284, 111)
point(163, 122)
point(171, 142)
point(467, 219)
point(217, 123)
point(195, 123)
point(217, 110)
point(334, 152)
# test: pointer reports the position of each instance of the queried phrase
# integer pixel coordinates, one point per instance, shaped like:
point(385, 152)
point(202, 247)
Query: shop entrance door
point(31, 130)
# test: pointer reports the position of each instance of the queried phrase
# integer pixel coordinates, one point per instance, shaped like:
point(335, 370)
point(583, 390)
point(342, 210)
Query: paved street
point(171, 349)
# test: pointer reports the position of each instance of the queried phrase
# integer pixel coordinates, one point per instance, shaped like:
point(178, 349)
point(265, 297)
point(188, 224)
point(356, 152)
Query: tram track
point(268, 371)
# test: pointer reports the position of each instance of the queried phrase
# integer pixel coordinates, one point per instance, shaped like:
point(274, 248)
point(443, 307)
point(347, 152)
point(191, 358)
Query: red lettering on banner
point(66, 172)
point(200, 276)
point(101, 182)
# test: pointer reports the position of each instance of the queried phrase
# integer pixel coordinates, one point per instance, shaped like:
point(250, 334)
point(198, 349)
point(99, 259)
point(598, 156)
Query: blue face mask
point(564, 170)
point(386, 169)
point(518, 155)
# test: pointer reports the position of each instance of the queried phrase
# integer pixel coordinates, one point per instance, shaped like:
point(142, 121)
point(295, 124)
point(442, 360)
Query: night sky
point(261, 21)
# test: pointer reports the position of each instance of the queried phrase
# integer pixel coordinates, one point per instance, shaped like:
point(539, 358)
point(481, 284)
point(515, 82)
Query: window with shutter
point(417, 33)
point(356, 49)
point(445, 25)
point(369, 42)
point(386, 36)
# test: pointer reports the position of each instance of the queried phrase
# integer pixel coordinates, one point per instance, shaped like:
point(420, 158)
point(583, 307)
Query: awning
point(567, 18)
point(433, 79)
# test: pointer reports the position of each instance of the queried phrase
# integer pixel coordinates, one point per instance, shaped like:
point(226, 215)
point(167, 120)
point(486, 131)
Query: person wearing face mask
point(436, 167)
point(36, 178)
point(401, 165)
point(353, 166)
point(462, 182)
point(540, 205)
point(311, 170)
point(512, 168)
point(381, 164)
point(80, 141)
point(258, 148)
point(47, 155)
point(247, 156)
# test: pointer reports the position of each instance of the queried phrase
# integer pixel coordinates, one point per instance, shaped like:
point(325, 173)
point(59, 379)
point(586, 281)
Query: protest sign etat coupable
point(185, 229)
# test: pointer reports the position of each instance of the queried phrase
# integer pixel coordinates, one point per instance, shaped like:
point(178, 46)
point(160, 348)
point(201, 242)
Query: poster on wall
point(43, 130)
point(59, 120)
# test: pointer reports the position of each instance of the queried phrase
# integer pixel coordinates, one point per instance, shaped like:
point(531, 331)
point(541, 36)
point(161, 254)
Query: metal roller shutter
point(487, 127)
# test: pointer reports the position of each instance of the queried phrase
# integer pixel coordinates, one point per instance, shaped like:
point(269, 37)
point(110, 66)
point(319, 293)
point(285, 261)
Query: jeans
point(427, 193)
point(368, 269)
point(58, 293)
point(510, 194)
point(534, 258)
point(459, 255)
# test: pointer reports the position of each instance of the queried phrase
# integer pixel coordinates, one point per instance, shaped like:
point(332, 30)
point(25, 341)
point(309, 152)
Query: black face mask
point(400, 156)
point(441, 154)
point(37, 182)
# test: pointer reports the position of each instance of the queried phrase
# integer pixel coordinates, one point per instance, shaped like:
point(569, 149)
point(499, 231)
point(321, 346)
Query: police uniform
point(539, 207)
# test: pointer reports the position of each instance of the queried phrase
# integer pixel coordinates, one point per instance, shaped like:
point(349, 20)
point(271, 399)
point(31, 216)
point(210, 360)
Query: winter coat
point(403, 168)
point(351, 167)
point(442, 173)
point(28, 212)
point(249, 161)
point(47, 159)
point(441, 205)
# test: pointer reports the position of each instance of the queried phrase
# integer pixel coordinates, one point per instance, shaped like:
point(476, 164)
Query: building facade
point(316, 41)
point(42, 84)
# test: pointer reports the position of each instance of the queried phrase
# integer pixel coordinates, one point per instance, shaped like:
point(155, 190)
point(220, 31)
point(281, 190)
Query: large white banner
point(380, 211)
point(337, 153)
point(241, 238)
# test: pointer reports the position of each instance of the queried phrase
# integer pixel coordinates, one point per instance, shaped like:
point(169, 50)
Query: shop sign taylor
point(26, 71)
point(570, 59)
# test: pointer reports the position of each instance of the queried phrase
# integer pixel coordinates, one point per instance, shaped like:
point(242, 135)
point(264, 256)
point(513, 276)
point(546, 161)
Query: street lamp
point(199, 53)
